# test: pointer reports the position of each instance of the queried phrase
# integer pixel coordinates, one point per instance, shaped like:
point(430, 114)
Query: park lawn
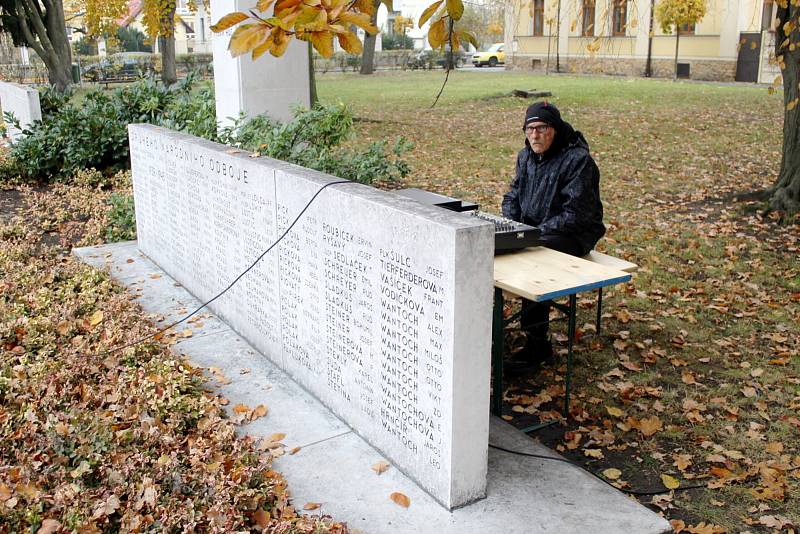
point(696, 375)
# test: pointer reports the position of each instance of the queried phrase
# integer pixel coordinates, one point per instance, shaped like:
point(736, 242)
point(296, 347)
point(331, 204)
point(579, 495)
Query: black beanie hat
point(543, 112)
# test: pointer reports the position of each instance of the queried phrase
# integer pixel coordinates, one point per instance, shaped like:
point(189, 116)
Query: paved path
point(333, 466)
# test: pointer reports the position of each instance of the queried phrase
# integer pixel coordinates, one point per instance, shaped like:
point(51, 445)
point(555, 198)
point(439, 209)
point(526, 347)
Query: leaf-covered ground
point(695, 378)
point(127, 441)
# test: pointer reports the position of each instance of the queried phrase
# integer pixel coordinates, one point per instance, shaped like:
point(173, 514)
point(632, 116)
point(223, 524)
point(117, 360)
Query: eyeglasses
point(540, 128)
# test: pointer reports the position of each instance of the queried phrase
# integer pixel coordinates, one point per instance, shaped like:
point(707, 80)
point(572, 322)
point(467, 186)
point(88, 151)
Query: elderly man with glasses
point(557, 189)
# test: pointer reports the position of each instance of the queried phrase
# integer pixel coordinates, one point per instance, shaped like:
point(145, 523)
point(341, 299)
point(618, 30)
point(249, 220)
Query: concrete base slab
point(333, 466)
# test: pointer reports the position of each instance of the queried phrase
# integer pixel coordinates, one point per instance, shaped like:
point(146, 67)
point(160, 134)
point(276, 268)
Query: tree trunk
point(677, 42)
point(786, 191)
point(312, 78)
point(648, 69)
point(368, 54)
point(166, 45)
point(44, 31)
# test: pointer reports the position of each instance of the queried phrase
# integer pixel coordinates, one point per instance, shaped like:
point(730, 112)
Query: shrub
point(121, 218)
point(311, 139)
point(396, 41)
point(94, 134)
point(70, 138)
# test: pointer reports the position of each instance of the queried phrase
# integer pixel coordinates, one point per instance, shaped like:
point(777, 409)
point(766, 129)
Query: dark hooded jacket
point(558, 191)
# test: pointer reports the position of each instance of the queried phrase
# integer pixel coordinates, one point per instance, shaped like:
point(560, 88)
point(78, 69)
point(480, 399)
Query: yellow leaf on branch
point(323, 43)
point(350, 42)
point(247, 37)
point(263, 5)
point(437, 35)
point(455, 8)
point(362, 20)
point(228, 21)
point(428, 13)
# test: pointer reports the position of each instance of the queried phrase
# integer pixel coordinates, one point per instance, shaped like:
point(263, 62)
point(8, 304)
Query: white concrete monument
point(378, 305)
point(268, 85)
point(23, 102)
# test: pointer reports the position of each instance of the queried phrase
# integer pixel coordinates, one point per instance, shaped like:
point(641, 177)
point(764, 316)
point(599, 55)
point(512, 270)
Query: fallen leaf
point(262, 518)
point(703, 528)
point(380, 467)
point(682, 461)
point(593, 453)
point(311, 505)
point(612, 473)
point(749, 392)
point(49, 526)
point(96, 318)
point(259, 411)
point(677, 525)
point(774, 447)
point(295, 450)
point(670, 482)
point(614, 411)
point(106, 508)
point(241, 408)
point(400, 499)
point(650, 426)
point(5, 492)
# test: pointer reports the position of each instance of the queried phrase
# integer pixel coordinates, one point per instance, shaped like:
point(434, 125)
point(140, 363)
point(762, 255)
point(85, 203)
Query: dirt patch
point(12, 202)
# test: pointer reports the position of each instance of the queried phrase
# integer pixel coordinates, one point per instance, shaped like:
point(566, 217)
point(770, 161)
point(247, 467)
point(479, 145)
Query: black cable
point(566, 461)
point(218, 295)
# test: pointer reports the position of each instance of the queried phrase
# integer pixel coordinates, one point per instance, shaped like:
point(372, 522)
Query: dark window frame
point(588, 15)
point(688, 29)
point(619, 18)
point(538, 18)
point(767, 15)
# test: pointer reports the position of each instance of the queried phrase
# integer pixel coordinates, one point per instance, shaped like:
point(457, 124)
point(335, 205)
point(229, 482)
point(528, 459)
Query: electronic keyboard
point(509, 235)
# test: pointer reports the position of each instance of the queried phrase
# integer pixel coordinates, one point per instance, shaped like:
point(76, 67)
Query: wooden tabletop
point(540, 274)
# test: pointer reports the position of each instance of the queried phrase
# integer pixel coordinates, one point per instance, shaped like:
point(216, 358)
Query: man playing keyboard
point(557, 189)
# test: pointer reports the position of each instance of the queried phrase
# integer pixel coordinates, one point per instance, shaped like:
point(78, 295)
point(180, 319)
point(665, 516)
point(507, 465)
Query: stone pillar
point(268, 85)
point(24, 55)
point(729, 30)
point(21, 101)
point(643, 29)
point(101, 48)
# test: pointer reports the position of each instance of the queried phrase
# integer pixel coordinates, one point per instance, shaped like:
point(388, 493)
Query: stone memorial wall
point(23, 102)
point(378, 305)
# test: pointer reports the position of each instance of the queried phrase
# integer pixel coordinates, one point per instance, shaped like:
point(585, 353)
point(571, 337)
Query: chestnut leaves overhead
point(273, 23)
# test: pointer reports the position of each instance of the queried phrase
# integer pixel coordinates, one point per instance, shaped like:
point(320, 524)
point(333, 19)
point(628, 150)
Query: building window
point(688, 29)
point(619, 17)
point(767, 15)
point(537, 7)
point(587, 28)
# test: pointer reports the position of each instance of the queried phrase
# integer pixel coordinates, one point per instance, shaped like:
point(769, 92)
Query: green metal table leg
point(570, 342)
point(599, 309)
point(539, 426)
point(497, 353)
